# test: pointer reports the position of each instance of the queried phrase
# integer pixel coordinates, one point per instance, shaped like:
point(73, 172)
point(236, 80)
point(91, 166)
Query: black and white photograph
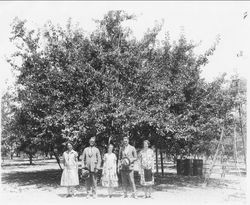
point(124, 102)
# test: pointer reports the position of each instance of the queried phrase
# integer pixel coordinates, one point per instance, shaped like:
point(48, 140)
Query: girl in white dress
point(109, 174)
point(70, 177)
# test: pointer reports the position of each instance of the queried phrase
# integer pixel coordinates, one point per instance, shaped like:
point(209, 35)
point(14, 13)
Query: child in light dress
point(109, 174)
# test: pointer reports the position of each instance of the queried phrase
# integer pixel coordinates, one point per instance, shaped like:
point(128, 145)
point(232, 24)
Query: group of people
point(91, 161)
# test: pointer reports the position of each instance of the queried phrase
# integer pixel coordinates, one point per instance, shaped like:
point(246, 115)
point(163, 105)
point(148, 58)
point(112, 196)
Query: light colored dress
point(146, 164)
point(70, 172)
point(109, 174)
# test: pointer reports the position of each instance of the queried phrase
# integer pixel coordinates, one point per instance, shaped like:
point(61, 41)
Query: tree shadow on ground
point(174, 181)
point(51, 178)
point(25, 164)
point(48, 177)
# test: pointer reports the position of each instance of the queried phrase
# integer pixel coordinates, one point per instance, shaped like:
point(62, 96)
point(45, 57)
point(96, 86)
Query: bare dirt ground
point(40, 184)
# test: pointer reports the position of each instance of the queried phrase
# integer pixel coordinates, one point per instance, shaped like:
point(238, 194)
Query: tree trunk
point(51, 155)
point(156, 159)
point(175, 159)
point(30, 158)
point(162, 166)
point(57, 159)
point(46, 153)
point(18, 154)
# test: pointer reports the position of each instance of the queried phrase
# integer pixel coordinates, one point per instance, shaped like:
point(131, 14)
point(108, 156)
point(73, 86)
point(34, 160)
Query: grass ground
point(40, 183)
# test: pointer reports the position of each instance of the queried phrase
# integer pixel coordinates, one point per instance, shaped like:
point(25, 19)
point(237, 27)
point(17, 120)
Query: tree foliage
point(72, 86)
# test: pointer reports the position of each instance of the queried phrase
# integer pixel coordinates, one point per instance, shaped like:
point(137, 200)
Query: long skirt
point(147, 177)
point(70, 177)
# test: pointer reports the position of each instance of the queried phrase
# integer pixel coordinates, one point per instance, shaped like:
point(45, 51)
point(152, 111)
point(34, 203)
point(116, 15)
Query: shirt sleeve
point(120, 154)
point(98, 159)
point(152, 160)
point(83, 157)
point(105, 157)
point(76, 156)
point(134, 154)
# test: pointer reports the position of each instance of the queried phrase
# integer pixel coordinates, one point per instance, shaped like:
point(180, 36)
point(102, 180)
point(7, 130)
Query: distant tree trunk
point(18, 154)
point(51, 155)
point(162, 166)
point(30, 158)
point(46, 153)
point(175, 159)
point(156, 155)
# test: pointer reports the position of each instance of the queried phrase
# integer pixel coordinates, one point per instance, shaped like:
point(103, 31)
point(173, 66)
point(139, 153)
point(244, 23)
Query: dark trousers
point(91, 182)
point(128, 180)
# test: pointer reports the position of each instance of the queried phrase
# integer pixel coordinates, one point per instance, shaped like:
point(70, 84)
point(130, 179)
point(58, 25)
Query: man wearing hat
point(91, 160)
point(127, 157)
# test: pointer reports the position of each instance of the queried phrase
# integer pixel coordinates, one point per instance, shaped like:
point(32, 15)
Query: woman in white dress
point(109, 173)
point(70, 177)
point(146, 163)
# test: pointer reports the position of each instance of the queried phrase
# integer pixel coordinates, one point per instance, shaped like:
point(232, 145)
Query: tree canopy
point(72, 86)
